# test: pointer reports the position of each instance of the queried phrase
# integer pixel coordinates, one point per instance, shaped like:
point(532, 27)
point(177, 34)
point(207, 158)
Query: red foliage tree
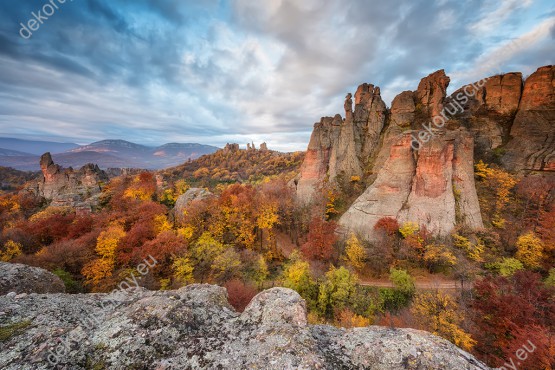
point(510, 311)
point(320, 239)
point(240, 294)
point(388, 225)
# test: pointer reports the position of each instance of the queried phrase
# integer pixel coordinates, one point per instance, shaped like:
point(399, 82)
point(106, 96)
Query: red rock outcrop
point(488, 107)
point(341, 148)
point(498, 119)
point(69, 188)
point(433, 187)
point(532, 144)
point(431, 93)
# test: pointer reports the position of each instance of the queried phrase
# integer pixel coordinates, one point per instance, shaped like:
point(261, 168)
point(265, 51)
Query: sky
point(212, 72)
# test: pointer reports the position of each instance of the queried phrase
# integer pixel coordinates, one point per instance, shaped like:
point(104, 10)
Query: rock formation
point(196, 328)
point(69, 188)
point(417, 158)
point(342, 148)
point(532, 144)
point(18, 279)
point(489, 110)
point(185, 199)
point(433, 187)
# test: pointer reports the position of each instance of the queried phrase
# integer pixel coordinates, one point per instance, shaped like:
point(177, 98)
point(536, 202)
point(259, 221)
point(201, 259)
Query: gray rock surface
point(18, 278)
point(185, 199)
point(195, 328)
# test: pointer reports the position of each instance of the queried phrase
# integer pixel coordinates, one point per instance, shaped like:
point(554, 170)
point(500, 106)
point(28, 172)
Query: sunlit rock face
point(500, 119)
point(532, 144)
point(77, 189)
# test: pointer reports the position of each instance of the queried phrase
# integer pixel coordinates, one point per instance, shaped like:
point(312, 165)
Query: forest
point(253, 233)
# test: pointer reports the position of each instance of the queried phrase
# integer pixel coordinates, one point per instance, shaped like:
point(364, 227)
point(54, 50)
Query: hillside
point(106, 154)
point(232, 164)
point(11, 179)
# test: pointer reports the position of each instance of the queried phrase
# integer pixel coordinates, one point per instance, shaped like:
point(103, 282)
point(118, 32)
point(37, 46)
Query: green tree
point(296, 275)
point(336, 291)
point(508, 266)
point(402, 281)
point(226, 266)
point(550, 281)
point(204, 252)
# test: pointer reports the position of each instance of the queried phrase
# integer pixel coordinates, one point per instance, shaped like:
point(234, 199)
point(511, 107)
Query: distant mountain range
point(25, 154)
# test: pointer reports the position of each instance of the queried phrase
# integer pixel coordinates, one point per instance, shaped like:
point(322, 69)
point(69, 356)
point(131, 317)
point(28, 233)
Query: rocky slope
point(16, 278)
point(67, 187)
point(196, 328)
point(416, 159)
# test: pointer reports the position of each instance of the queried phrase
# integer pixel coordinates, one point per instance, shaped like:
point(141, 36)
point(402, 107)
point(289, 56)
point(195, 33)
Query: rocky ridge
point(196, 328)
point(416, 159)
point(78, 189)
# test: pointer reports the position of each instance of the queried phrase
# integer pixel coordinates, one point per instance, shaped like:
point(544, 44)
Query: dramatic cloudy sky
point(209, 71)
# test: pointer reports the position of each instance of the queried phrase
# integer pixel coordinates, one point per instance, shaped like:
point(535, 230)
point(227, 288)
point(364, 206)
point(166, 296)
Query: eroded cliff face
point(67, 187)
point(431, 181)
point(341, 148)
point(532, 144)
point(196, 328)
point(433, 187)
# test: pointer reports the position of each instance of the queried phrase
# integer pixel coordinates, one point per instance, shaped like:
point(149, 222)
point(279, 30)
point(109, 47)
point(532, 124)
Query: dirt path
point(439, 284)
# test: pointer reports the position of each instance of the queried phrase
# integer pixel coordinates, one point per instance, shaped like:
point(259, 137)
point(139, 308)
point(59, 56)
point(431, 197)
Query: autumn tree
point(336, 291)
point(504, 308)
point(142, 188)
point(106, 247)
point(183, 269)
point(297, 276)
point(498, 184)
point(355, 253)
point(239, 293)
point(10, 250)
point(529, 250)
point(320, 239)
point(203, 254)
point(439, 314)
point(226, 266)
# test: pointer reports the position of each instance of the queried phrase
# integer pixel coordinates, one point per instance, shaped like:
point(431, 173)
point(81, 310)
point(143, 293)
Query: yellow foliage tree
point(10, 251)
point(330, 205)
point(500, 183)
point(439, 314)
point(355, 253)
point(529, 250)
point(474, 251)
point(183, 270)
point(436, 256)
point(106, 246)
point(161, 224)
point(408, 229)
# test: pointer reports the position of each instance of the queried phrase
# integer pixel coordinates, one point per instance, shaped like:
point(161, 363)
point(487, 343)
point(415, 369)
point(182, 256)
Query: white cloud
point(495, 12)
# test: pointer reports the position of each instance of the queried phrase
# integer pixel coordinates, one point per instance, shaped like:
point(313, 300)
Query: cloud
point(214, 72)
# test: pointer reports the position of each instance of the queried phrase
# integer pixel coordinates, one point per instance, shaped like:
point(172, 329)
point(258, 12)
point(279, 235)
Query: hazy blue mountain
point(109, 154)
point(35, 147)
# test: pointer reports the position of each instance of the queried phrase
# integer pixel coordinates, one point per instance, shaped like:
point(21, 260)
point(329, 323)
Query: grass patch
point(8, 331)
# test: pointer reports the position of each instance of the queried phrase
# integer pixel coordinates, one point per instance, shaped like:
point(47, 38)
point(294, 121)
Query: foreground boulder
point(18, 278)
point(196, 328)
